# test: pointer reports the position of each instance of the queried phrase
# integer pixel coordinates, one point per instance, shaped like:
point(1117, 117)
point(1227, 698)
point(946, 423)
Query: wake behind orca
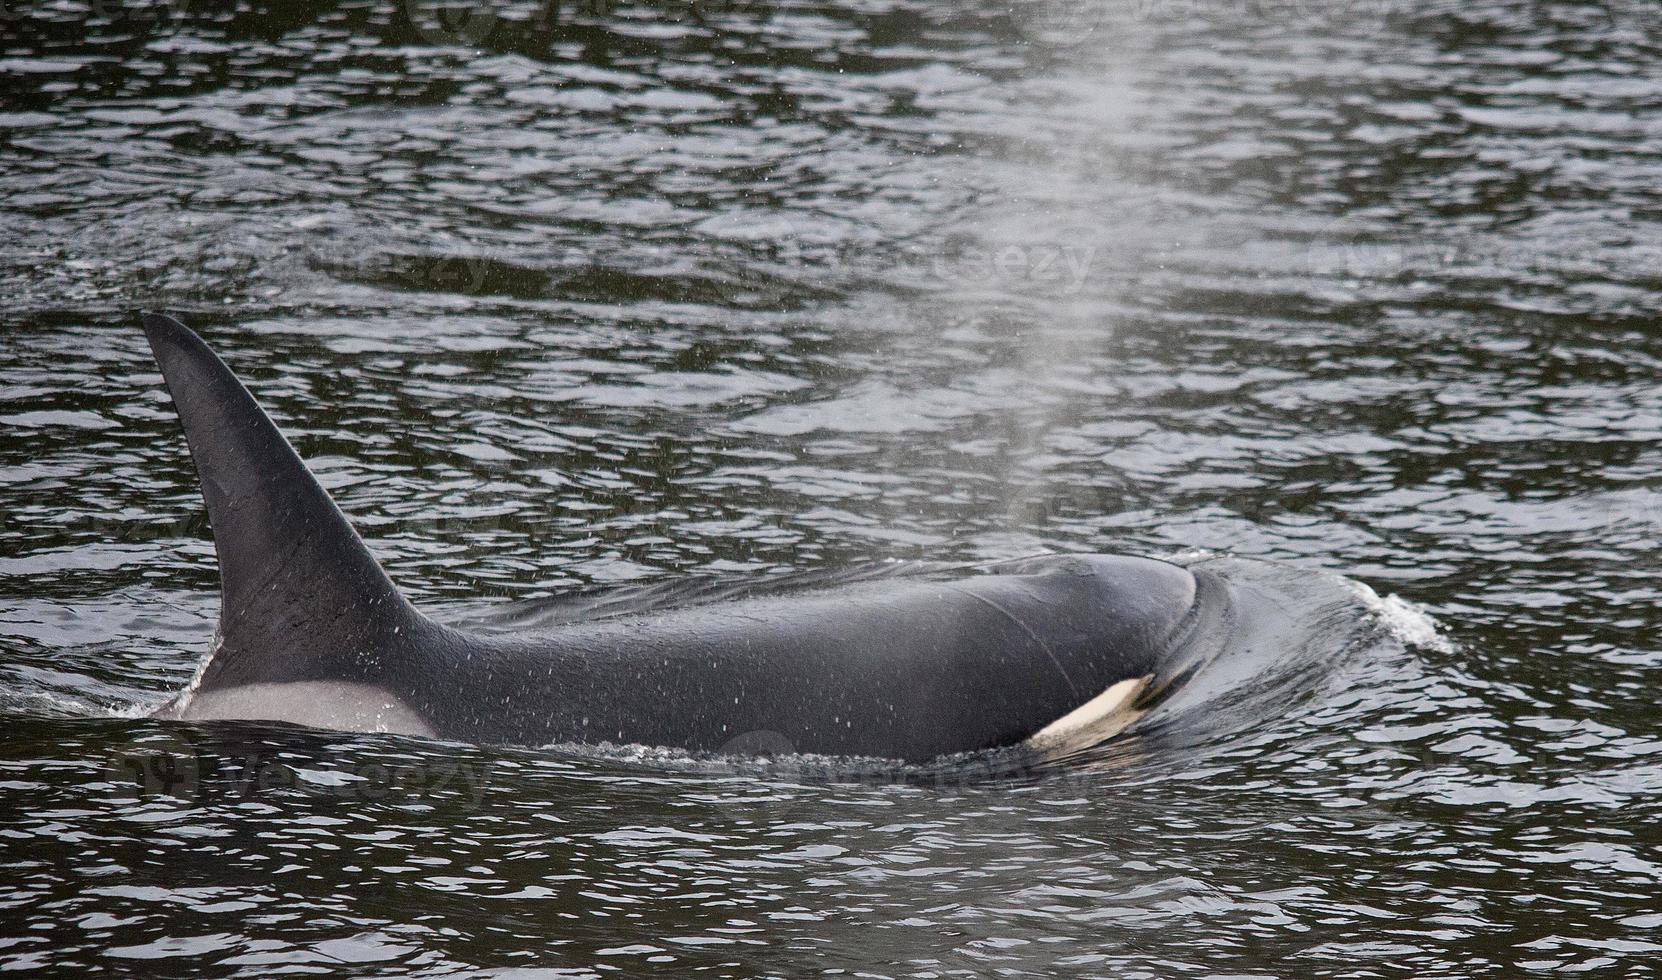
point(1044, 651)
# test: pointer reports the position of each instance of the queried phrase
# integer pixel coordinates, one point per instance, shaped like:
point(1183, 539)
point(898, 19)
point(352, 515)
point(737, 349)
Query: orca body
point(1044, 650)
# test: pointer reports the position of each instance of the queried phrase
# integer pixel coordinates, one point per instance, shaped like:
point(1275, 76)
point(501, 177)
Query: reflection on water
point(577, 296)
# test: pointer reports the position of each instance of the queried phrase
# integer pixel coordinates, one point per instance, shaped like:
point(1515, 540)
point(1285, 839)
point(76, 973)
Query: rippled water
point(601, 295)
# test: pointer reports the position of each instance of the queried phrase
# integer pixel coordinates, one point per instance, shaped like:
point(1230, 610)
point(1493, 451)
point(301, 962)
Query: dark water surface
point(611, 294)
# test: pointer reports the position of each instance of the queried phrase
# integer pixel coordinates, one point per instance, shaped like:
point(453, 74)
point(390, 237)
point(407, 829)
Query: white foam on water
point(138, 709)
point(785, 765)
point(63, 705)
point(1404, 620)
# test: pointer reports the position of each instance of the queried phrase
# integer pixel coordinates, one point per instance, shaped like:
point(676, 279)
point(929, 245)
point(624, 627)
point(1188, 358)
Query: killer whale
point(1045, 651)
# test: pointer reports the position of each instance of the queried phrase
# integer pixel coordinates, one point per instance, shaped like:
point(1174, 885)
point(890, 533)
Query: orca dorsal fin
point(301, 597)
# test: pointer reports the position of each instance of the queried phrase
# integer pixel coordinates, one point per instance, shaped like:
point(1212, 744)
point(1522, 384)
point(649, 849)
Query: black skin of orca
point(897, 668)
